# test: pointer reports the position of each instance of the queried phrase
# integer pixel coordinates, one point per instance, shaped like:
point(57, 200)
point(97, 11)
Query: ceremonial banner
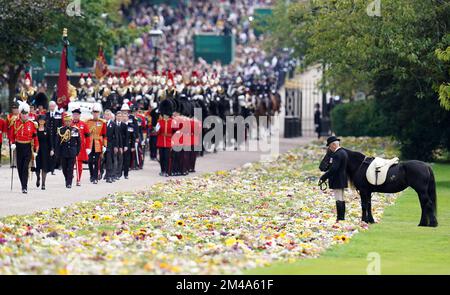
point(101, 67)
point(63, 90)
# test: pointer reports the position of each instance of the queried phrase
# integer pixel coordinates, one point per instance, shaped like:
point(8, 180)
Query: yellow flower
point(230, 241)
point(63, 271)
point(157, 205)
point(94, 216)
point(345, 239)
point(180, 223)
point(106, 217)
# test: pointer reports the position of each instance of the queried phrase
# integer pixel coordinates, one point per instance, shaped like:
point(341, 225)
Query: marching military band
point(133, 114)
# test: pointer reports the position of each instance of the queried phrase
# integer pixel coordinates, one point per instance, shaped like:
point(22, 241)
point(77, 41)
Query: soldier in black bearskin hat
point(165, 131)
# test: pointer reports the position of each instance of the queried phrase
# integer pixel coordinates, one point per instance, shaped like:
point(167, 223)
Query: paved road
point(57, 195)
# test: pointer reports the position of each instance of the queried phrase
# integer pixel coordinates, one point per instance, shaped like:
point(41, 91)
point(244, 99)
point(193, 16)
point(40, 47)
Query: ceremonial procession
point(231, 137)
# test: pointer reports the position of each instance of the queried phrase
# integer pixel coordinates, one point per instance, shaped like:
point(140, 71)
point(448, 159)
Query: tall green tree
point(392, 54)
point(28, 28)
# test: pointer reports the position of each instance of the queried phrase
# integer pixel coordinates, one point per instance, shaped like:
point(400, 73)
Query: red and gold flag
point(63, 90)
point(101, 67)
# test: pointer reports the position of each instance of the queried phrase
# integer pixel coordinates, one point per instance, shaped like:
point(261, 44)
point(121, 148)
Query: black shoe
point(78, 183)
point(53, 173)
point(95, 181)
point(24, 191)
point(340, 209)
point(108, 180)
point(161, 174)
point(38, 182)
point(126, 177)
point(43, 187)
point(68, 186)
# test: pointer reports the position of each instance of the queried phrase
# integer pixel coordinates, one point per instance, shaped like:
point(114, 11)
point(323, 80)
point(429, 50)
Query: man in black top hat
point(337, 174)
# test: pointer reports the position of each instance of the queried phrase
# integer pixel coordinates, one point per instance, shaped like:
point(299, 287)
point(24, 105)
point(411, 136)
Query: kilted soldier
point(54, 121)
point(337, 174)
point(24, 139)
point(96, 143)
point(68, 144)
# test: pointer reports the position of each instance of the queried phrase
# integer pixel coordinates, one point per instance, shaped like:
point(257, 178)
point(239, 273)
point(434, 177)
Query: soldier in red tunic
point(24, 139)
point(164, 139)
point(97, 143)
point(84, 138)
point(3, 131)
point(10, 119)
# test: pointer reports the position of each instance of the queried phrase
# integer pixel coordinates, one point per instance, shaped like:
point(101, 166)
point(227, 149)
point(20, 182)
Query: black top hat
point(332, 139)
point(41, 117)
point(77, 111)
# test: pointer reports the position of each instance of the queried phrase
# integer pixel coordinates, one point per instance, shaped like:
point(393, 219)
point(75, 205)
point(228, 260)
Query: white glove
point(143, 143)
point(35, 155)
point(52, 153)
point(13, 147)
point(88, 151)
point(157, 127)
point(104, 149)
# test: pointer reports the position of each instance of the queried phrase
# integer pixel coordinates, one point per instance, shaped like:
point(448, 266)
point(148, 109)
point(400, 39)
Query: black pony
point(415, 174)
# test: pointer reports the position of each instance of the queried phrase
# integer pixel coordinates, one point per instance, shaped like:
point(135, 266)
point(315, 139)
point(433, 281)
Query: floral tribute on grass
point(223, 222)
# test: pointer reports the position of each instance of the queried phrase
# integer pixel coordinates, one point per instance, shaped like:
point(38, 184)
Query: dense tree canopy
point(28, 28)
point(400, 56)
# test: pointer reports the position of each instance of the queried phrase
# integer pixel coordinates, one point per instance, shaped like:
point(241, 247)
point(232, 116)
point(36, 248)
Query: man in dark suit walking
point(112, 147)
point(337, 174)
point(54, 121)
point(118, 158)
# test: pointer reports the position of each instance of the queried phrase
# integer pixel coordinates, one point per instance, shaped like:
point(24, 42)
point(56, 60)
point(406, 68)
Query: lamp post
point(155, 35)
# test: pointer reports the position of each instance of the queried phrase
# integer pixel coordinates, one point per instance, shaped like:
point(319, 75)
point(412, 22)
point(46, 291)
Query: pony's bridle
point(323, 185)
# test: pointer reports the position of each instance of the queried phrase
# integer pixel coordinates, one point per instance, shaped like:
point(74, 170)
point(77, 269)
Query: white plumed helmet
point(97, 107)
point(125, 107)
point(24, 107)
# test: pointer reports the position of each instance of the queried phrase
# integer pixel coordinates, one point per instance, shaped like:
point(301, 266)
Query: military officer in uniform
point(97, 143)
point(337, 174)
point(24, 139)
point(112, 146)
point(10, 119)
point(84, 137)
point(68, 144)
point(3, 131)
point(129, 135)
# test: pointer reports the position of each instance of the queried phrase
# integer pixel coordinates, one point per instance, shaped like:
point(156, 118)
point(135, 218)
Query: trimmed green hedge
point(360, 118)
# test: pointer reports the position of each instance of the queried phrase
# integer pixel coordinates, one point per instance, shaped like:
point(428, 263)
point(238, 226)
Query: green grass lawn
point(404, 247)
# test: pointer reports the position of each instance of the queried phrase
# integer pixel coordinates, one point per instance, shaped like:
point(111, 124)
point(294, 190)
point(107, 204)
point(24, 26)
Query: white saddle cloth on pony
point(378, 169)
